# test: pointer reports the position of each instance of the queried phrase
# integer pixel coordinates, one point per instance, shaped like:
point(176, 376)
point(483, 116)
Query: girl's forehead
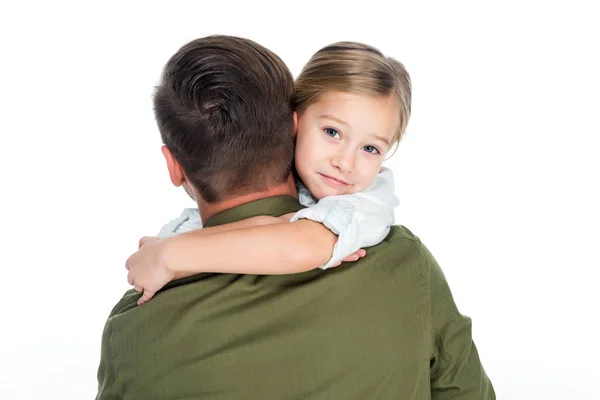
point(347, 100)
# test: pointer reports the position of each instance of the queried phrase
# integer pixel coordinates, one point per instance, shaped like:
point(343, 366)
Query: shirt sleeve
point(360, 219)
point(456, 371)
point(189, 220)
point(108, 388)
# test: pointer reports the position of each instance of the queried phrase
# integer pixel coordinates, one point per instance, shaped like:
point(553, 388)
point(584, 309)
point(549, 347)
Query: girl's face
point(342, 140)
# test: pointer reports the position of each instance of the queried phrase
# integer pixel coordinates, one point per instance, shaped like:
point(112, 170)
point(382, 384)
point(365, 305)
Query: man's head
point(224, 111)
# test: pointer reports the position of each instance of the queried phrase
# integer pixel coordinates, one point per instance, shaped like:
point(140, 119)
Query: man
point(385, 328)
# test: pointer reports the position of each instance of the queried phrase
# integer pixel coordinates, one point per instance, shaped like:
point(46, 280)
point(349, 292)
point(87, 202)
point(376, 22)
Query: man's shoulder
point(399, 253)
point(402, 239)
point(400, 232)
point(127, 303)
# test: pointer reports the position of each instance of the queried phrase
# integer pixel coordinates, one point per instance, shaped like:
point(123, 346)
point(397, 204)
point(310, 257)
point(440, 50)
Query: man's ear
point(175, 170)
point(295, 124)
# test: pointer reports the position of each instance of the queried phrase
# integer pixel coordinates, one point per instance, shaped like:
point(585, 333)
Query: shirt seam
point(114, 357)
point(427, 275)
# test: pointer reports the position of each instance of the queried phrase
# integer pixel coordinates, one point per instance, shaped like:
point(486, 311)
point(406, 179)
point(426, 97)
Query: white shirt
point(359, 219)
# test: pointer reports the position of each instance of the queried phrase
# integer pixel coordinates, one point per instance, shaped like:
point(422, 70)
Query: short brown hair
point(224, 109)
point(355, 68)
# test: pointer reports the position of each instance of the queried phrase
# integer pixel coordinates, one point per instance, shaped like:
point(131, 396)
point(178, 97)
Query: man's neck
point(207, 210)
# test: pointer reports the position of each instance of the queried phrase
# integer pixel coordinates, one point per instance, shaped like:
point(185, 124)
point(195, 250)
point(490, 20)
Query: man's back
point(382, 328)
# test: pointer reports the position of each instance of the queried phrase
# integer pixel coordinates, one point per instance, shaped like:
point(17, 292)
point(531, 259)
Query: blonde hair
point(355, 68)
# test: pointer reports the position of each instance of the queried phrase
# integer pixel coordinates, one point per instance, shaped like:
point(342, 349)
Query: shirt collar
point(273, 206)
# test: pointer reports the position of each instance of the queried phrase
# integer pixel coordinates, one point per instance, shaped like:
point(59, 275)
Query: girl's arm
point(268, 245)
point(360, 219)
point(259, 245)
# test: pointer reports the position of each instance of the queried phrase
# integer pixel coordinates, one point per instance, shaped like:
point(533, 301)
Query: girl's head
point(353, 105)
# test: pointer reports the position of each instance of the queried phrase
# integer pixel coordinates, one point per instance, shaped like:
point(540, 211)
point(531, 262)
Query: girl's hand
point(286, 217)
point(148, 273)
point(147, 240)
point(352, 257)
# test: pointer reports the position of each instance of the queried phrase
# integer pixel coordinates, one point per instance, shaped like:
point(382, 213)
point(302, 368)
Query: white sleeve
point(189, 220)
point(360, 219)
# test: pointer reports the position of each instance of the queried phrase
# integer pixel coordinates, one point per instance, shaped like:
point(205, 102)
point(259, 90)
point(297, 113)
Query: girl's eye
point(371, 149)
point(331, 132)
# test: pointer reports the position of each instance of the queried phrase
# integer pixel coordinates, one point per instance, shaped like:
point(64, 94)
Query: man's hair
point(224, 109)
point(358, 68)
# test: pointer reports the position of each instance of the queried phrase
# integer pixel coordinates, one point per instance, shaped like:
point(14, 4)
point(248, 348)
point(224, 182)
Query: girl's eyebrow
point(334, 118)
point(383, 139)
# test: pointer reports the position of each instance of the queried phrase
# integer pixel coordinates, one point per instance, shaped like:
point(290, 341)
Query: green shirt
point(385, 327)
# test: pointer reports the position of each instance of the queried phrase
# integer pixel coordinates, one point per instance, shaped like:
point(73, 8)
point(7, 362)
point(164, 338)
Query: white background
point(498, 173)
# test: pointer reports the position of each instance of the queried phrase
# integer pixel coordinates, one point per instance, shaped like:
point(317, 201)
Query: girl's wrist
point(163, 254)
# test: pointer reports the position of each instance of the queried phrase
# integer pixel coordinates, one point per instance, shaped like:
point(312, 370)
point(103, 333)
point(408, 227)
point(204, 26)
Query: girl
point(352, 105)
